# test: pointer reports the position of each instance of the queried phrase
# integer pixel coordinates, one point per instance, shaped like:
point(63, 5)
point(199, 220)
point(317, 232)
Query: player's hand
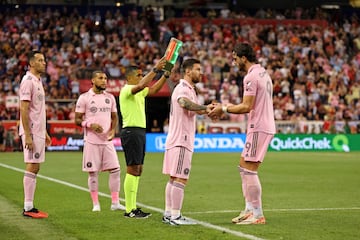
point(210, 107)
point(111, 135)
point(216, 112)
point(29, 142)
point(47, 140)
point(96, 128)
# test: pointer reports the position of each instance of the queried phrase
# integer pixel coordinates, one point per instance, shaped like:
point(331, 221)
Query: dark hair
point(93, 75)
point(31, 55)
point(130, 70)
point(244, 49)
point(189, 63)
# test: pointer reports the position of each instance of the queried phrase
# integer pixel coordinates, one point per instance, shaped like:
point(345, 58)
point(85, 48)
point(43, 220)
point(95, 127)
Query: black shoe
point(166, 219)
point(137, 213)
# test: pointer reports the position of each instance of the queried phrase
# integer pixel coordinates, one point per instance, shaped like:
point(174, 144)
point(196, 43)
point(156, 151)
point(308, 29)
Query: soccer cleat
point(243, 216)
point(253, 220)
point(117, 206)
point(35, 213)
point(166, 219)
point(96, 208)
point(181, 221)
point(137, 213)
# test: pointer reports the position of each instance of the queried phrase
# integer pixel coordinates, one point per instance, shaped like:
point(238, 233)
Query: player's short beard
point(99, 88)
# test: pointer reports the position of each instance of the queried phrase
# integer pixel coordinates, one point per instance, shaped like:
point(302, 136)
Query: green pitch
point(305, 196)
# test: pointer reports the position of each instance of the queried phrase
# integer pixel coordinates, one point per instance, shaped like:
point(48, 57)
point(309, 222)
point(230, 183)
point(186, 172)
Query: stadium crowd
point(315, 68)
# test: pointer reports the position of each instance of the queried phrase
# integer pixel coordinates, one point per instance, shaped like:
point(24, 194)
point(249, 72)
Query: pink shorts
point(256, 146)
point(177, 162)
point(37, 155)
point(99, 157)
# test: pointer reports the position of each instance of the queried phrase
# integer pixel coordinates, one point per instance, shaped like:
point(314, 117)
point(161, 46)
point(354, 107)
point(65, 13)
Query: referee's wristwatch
point(166, 74)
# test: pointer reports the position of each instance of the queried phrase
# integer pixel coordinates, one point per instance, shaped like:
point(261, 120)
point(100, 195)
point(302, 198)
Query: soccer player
point(33, 128)
point(180, 141)
point(257, 102)
point(96, 112)
point(132, 108)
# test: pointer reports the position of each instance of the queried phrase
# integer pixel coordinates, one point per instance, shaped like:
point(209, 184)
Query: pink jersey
point(182, 122)
point(257, 82)
point(31, 89)
point(97, 109)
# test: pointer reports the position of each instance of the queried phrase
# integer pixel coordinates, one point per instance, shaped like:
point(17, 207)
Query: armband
point(224, 109)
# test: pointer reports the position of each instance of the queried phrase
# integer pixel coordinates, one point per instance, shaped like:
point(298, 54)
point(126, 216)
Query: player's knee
point(135, 170)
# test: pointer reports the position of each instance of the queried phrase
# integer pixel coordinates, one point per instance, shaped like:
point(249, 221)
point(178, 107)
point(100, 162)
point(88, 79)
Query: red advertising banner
point(54, 127)
point(63, 127)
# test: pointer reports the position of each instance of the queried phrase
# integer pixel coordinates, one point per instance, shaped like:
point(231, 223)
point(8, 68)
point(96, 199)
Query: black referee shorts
point(133, 140)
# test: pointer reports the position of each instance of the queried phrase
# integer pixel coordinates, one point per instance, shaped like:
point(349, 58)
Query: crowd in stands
point(315, 68)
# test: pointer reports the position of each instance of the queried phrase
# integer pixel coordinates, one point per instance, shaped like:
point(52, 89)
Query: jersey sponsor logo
point(105, 109)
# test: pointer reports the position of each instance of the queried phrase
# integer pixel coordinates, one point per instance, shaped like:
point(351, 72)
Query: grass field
point(305, 196)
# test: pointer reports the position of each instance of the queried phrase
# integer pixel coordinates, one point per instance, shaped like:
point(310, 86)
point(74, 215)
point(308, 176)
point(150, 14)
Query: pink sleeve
point(25, 90)
point(81, 104)
point(250, 86)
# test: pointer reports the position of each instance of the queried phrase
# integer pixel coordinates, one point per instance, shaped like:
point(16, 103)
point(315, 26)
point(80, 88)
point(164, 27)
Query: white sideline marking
point(205, 224)
point(281, 210)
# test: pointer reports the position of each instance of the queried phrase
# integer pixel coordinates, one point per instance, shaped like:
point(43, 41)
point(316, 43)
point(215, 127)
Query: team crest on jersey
point(37, 155)
point(89, 164)
point(186, 171)
point(107, 101)
point(93, 109)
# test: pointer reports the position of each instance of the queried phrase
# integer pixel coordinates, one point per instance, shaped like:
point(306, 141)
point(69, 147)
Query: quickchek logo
point(341, 143)
point(338, 143)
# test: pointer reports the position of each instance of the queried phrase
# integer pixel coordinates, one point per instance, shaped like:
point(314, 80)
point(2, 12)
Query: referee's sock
point(130, 186)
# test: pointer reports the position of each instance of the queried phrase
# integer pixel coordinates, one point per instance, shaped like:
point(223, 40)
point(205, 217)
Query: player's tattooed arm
point(189, 105)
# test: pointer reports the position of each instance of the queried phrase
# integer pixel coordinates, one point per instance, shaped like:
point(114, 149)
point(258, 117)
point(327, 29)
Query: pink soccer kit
point(181, 135)
point(31, 89)
point(97, 109)
point(261, 123)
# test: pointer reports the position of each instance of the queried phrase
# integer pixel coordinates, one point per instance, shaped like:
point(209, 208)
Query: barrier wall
point(155, 142)
point(68, 137)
